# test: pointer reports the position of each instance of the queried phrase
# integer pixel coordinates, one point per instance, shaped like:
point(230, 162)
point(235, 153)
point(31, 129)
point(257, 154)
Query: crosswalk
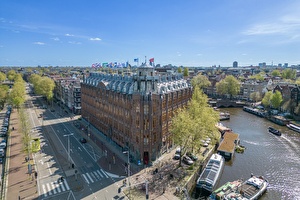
point(54, 188)
point(94, 176)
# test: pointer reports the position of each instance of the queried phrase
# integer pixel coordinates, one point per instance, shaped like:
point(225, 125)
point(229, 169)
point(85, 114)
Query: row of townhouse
point(290, 92)
point(67, 92)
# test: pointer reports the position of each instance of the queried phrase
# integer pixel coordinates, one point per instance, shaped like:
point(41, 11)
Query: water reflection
point(276, 158)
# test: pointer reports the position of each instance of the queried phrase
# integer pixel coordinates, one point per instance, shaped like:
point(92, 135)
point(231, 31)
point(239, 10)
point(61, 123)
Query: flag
point(151, 60)
point(93, 65)
point(136, 60)
point(105, 64)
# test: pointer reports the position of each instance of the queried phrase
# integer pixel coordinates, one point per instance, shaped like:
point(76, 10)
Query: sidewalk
point(19, 184)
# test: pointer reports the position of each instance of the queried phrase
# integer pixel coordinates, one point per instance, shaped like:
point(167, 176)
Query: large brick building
point(134, 111)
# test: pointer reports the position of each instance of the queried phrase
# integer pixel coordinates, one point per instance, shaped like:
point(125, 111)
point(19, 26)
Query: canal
point(275, 158)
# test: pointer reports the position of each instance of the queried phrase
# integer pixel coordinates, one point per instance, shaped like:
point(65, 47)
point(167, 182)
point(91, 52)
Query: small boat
point(225, 189)
point(251, 189)
point(224, 116)
point(293, 127)
point(240, 148)
point(210, 175)
point(274, 131)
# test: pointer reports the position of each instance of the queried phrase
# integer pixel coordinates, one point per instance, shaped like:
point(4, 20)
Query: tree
point(289, 74)
point(259, 77)
point(3, 94)
point(276, 99)
point(255, 96)
point(230, 85)
point(11, 75)
point(185, 71)
point(179, 70)
point(42, 85)
point(275, 73)
point(266, 101)
point(194, 123)
point(2, 77)
point(201, 81)
point(17, 94)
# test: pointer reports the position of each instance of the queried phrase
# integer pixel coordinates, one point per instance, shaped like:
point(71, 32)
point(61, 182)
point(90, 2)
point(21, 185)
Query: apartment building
point(134, 111)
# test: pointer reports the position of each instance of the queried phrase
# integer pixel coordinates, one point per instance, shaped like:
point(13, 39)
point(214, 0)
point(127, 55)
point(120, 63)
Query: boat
point(210, 175)
point(224, 190)
point(251, 189)
point(274, 131)
point(293, 127)
point(224, 116)
point(240, 148)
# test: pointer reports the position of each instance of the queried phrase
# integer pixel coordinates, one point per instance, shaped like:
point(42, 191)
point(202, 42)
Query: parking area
point(4, 120)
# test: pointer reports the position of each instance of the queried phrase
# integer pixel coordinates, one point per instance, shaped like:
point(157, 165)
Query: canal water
point(275, 158)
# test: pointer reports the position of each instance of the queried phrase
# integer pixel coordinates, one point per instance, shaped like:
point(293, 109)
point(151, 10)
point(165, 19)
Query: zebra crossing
point(94, 176)
point(54, 188)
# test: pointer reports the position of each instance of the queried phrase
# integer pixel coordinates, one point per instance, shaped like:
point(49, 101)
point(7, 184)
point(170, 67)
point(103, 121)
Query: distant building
point(235, 64)
point(135, 111)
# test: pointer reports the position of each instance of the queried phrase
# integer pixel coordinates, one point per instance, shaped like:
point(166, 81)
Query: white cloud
point(285, 25)
point(55, 39)
point(74, 42)
point(95, 39)
point(39, 43)
point(69, 35)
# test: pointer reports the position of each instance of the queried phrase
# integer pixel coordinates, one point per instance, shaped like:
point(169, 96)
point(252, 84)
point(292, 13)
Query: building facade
point(134, 111)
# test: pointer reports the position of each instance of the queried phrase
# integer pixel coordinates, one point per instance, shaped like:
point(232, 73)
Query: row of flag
point(118, 65)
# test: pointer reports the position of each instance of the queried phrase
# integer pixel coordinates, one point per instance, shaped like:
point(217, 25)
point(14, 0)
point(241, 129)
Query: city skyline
point(193, 33)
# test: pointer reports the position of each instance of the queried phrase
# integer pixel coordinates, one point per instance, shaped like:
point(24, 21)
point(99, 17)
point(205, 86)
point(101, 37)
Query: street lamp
point(128, 166)
point(69, 157)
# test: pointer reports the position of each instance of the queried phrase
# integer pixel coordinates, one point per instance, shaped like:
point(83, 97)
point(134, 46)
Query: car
point(5, 124)
point(187, 160)
point(83, 140)
point(3, 134)
point(2, 145)
point(2, 153)
point(192, 156)
point(178, 150)
point(1, 160)
point(176, 156)
point(4, 129)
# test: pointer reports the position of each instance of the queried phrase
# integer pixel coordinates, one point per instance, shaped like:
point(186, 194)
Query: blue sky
point(188, 33)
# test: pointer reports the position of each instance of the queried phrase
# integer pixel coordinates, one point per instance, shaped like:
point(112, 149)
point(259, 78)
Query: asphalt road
point(60, 148)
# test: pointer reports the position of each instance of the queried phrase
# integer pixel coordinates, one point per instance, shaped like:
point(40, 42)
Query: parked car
point(2, 145)
point(176, 156)
point(178, 150)
point(1, 160)
point(192, 156)
point(2, 153)
point(3, 134)
point(82, 140)
point(187, 160)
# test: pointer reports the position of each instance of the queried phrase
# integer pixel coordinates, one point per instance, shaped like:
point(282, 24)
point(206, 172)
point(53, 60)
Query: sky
point(178, 32)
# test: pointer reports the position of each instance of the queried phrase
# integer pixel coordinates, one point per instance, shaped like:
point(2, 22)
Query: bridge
point(226, 103)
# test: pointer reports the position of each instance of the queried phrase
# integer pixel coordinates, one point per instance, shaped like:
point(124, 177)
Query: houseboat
point(224, 190)
point(228, 144)
point(280, 120)
point(255, 111)
point(293, 127)
point(274, 131)
point(210, 175)
point(251, 189)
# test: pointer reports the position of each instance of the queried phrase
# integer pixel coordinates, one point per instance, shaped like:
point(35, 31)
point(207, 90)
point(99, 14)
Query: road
point(63, 155)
